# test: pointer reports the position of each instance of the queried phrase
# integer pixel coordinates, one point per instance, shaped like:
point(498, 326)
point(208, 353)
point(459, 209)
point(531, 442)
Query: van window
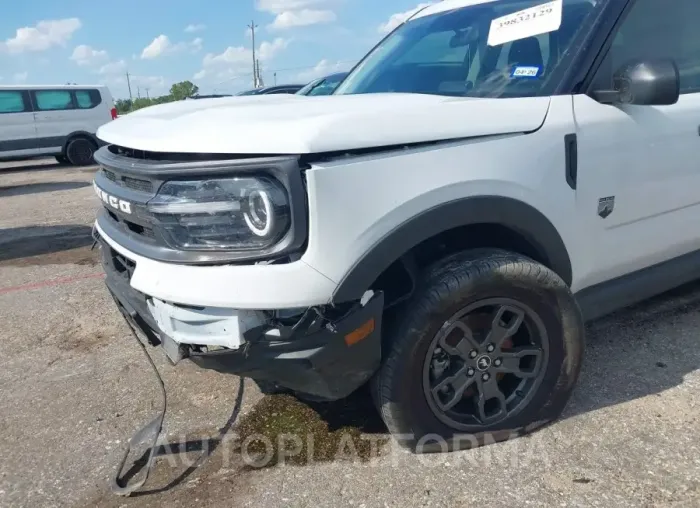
point(12, 101)
point(52, 100)
point(87, 99)
point(654, 29)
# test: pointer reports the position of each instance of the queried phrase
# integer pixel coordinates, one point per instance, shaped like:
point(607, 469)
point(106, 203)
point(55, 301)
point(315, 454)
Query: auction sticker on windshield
point(526, 23)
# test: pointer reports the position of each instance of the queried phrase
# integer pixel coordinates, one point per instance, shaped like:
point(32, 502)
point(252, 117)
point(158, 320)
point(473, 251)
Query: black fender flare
point(520, 217)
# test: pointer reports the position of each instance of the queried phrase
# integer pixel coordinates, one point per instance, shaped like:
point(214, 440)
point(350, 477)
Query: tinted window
point(12, 101)
point(87, 99)
point(326, 86)
point(654, 29)
point(51, 100)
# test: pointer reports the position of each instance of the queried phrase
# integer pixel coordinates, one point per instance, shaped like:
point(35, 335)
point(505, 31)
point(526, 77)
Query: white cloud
point(231, 56)
point(268, 50)
point(239, 55)
point(85, 55)
point(43, 36)
point(156, 48)
point(396, 19)
point(322, 68)
point(20, 77)
point(237, 61)
point(113, 68)
point(195, 45)
point(196, 27)
point(162, 45)
point(304, 17)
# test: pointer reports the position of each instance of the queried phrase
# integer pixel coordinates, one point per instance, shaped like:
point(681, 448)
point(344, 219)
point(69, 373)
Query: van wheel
point(489, 348)
point(80, 152)
point(61, 159)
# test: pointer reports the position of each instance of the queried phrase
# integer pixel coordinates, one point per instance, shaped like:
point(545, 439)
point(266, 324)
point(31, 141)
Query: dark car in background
point(323, 86)
point(278, 89)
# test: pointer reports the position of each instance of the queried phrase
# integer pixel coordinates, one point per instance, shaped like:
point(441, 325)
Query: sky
point(206, 42)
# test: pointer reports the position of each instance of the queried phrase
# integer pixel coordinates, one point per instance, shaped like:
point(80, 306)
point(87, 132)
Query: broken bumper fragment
point(327, 357)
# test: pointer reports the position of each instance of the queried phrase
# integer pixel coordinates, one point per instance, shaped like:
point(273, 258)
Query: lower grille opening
point(122, 265)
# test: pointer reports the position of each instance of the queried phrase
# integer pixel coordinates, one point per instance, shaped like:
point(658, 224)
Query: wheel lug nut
point(485, 377)
point(470, 372)
point(490, 348)
point(497, 362)
point(472, 354)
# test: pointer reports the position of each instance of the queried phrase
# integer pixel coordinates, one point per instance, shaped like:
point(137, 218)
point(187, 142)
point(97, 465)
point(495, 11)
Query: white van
point(53, 120)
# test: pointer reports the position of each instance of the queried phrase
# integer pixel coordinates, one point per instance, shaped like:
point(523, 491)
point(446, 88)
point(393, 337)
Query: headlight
point(245, 213)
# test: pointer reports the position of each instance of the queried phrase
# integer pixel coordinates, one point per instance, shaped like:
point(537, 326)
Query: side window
point(87, 99)
point(654, 29)
point(12, 101)
point(52, 100)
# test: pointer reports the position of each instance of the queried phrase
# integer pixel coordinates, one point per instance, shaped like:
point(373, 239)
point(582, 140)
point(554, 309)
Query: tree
point(182, 90)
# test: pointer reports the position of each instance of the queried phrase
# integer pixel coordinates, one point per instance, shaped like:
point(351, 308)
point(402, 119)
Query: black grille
point(127, 181)
point(132, 226)
point(117, 264)
point(136, 184)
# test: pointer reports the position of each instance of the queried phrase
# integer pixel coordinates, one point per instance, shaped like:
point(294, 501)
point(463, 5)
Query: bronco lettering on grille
point(113, 201)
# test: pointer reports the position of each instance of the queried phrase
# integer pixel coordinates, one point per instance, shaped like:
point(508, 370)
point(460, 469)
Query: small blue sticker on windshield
point(525, 72)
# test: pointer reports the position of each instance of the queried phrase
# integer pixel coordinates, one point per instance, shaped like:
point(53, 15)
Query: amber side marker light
point(360, 333)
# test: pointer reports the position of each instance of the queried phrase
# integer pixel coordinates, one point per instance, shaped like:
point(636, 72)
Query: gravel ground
point(75, 386)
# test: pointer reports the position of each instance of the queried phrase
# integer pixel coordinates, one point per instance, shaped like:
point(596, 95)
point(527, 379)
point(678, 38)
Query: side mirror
point(644, 83)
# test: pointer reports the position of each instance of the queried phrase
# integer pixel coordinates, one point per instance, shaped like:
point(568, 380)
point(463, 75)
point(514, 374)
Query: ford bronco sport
point(488, 177)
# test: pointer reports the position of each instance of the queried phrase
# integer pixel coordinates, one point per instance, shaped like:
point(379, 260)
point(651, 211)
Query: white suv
point(492, 174)
point(56, 120)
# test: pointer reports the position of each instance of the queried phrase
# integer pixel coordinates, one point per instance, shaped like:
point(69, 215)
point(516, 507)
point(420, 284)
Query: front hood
point(294, 124)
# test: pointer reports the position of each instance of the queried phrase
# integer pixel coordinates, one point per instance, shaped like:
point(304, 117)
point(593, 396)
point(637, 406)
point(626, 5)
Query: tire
point(493, 279)
point(80, 152)
point(61, 159)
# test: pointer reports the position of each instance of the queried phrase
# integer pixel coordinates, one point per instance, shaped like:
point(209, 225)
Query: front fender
point(516, 215)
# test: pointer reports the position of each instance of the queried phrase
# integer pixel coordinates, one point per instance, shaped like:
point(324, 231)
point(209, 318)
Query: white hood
point(295, 124)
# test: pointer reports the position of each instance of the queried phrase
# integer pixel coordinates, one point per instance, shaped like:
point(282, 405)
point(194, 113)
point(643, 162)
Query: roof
point(45, 87)
point(448, 5)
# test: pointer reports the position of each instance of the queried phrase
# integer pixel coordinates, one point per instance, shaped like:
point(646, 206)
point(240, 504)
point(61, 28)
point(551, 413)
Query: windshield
point(504, 48)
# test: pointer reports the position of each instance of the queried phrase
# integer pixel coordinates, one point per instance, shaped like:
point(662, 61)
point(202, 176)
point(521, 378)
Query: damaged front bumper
point(323, 354)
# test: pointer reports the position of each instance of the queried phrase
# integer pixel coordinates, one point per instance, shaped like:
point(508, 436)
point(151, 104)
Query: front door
point(639, 166)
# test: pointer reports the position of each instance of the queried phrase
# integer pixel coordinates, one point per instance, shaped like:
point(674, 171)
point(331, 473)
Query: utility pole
point(275, 79)
point(128, 82)
point(138, 91)
point(147, 96)
point(260, 80)
point(252, 27)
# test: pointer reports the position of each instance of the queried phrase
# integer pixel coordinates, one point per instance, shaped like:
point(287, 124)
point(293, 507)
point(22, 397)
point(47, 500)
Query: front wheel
point(489, 348)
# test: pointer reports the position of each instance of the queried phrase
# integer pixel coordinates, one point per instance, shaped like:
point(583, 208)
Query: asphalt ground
point(74, 387)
